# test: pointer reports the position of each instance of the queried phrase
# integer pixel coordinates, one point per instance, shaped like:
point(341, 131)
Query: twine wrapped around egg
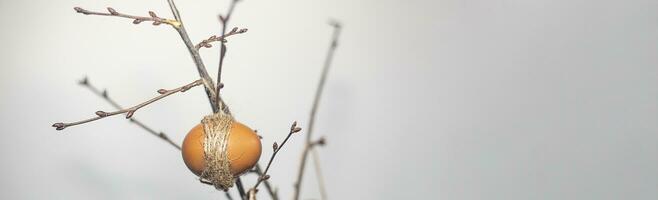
point(217, 169)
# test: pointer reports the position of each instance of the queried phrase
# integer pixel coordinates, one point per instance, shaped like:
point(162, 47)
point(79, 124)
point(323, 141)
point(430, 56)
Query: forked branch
point(270, 189)
point(314, 109)
point(130, 111)
point(276, 148)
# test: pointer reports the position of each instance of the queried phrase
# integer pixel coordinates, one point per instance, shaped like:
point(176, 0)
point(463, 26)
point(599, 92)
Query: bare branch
point(240, 186)
point(85, 83)
point(130, 111)
point(316, 102)
point(268, 186)
point(208, 83)
point(222, 38)
point(318, 173)
point(136, 19)
point(276, 148)
point(222, 52)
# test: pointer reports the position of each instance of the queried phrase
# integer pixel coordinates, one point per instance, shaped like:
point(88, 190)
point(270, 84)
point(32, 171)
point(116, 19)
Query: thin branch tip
point(335, 24)
point(219, 38)
point(316, 100)
point(59, 126)
point(84, 81)
point(136, 19)
point(264, 176)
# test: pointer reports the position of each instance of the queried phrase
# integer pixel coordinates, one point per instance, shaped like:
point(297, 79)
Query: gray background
point(449, 99)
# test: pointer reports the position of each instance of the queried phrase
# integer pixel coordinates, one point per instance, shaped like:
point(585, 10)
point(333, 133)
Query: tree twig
point(240, 186)
point(208, 83)
point(130, 111)
point(217, 98)
point(268, 186)
point(316, 101)
point(318, 173)
point(224, 19)
point(276, 148)
point(222, 38)
point(104, 94)
point(136, 19)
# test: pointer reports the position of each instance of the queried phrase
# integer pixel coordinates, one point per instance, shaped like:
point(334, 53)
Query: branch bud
point(84, 81)
point(137, 21)
point(294, 124)
point(59, 126)
point(101, 113)
point(152, 14)
point(80, 10)
point(162, 91)
point(130, 114)
point(112, 11)
point(275, 146)
point(321, 141)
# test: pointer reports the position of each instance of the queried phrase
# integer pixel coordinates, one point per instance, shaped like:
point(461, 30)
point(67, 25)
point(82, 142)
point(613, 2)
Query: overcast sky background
point(444, 99)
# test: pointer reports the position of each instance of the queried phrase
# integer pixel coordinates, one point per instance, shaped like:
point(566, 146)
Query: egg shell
point(243, 149)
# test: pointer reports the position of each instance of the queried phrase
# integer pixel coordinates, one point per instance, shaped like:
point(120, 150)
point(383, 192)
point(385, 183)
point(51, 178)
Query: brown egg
point(243, 149)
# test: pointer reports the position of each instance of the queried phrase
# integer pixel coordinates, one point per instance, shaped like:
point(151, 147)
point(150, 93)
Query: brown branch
point(85, 83)
point(224, 19)
point(136, 19)
point(316, 101)
point(222, 38)
point(209, 85)
point(268, 186)
point(130, 111)
point(276, 147)
point(240, 187)
point(318, 173)
point(217, 98)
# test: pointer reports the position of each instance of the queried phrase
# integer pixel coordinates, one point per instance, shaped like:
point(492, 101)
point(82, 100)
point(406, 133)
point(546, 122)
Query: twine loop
point(217, 129)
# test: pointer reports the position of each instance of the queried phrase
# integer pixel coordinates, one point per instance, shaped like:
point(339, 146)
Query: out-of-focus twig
point(314, 109)
point(318, 173)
